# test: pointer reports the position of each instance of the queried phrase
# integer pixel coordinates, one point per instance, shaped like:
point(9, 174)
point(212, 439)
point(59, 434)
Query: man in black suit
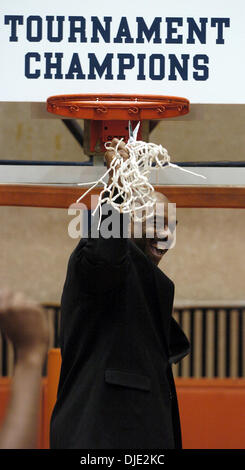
point(118, 341)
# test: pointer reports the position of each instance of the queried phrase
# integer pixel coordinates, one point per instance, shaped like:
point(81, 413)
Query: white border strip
point(51, 174)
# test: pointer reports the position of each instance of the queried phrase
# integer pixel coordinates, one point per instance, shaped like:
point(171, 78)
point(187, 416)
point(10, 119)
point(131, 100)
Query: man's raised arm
point(104, 255)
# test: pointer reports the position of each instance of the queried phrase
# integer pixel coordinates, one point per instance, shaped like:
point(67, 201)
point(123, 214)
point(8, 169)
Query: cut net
point(130, 179)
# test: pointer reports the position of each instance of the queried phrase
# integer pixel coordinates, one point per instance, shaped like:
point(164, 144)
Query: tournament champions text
point(81, 62)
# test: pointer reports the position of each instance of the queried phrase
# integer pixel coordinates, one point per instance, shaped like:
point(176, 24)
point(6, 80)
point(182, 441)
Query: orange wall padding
point(5, 383)
point(212, 411)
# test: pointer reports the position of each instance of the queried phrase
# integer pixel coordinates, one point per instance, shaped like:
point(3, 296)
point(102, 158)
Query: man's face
point(155, 235)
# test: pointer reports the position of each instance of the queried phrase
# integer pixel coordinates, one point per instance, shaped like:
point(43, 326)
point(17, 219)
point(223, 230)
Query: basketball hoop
point(107, 115)
point(117, 106)
point(114, 113)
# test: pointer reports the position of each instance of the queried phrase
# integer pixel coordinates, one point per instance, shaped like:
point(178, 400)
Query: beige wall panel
point(208, 261)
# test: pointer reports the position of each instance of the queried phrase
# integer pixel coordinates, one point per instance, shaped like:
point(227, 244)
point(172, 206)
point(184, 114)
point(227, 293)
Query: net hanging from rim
point(130, 178)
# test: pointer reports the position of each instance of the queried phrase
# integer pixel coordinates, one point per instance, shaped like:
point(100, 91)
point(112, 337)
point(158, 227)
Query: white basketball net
point(130, 178)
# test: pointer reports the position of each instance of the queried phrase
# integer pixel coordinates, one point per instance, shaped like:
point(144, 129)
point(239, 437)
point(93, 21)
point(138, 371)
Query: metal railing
point(217, 339)
point(216, 332)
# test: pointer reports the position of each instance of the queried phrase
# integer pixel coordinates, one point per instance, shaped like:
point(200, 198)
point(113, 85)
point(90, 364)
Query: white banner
point(168, 47)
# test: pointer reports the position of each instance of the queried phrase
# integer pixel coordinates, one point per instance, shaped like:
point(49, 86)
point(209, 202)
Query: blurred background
point(207, 263)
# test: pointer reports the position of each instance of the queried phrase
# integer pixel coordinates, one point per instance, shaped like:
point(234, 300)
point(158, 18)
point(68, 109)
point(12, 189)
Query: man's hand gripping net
point(129, 178)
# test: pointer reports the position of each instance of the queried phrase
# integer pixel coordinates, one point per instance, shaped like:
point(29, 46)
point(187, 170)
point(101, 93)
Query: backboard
point(171, 48)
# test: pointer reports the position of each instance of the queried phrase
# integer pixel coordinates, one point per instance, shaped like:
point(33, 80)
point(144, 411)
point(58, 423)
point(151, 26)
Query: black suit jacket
point(118, 340)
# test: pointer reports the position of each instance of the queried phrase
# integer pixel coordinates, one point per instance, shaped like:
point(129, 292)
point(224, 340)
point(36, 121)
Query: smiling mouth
point(158, 248)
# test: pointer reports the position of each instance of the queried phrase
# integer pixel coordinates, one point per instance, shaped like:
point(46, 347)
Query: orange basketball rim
point(117, 106)
point(107, 115)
